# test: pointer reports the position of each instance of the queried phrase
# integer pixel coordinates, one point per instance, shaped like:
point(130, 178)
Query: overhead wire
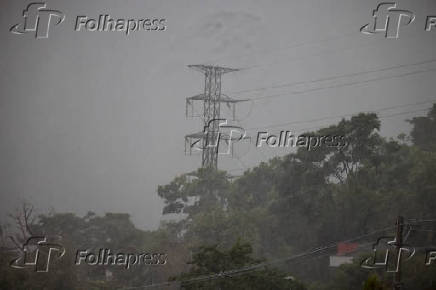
point(334, 77)
point(345, 84)
point(320, 53)
point(250, 268)
point(341, 116)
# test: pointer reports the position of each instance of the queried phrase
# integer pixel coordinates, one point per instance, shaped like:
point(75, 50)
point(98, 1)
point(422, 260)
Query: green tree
point(210, 262)
point(424, 130)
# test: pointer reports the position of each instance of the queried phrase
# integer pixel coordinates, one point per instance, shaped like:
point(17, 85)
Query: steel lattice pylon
point(212, 99)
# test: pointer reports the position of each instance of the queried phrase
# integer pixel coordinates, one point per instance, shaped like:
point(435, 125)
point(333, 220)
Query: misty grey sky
point(96, 120)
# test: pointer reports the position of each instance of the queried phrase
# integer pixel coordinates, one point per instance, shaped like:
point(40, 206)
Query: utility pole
point(212, 98)
point(399, 244)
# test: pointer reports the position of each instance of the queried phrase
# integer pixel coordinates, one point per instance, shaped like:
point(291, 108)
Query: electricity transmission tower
point(212, 98)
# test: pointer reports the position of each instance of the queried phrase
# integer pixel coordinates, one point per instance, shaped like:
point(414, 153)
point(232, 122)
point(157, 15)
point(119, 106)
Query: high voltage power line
point(302, 44)
point(245, 167)
point(343, 115)
point(351, 84)
point(381, 117)
point(325, 126)
point(316, 54)
point(335, 77)
point(338, 77)
point(345, 84)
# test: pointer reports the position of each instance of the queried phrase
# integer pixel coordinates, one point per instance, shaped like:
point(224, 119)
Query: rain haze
point(96, 120)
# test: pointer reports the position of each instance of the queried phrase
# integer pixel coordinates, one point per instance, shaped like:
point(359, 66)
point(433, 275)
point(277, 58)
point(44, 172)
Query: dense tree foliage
point(307, 199)
point(211, 260)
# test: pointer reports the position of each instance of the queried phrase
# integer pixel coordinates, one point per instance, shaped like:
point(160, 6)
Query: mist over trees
point(273, 212)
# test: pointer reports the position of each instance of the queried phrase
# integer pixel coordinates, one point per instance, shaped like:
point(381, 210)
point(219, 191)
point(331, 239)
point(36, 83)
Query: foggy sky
point(96, 120)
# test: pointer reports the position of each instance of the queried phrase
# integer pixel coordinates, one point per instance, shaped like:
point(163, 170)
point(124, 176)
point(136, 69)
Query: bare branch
point(17, 245)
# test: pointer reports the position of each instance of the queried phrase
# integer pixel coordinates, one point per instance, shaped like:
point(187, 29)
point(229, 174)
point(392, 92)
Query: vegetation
point(276, 210)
